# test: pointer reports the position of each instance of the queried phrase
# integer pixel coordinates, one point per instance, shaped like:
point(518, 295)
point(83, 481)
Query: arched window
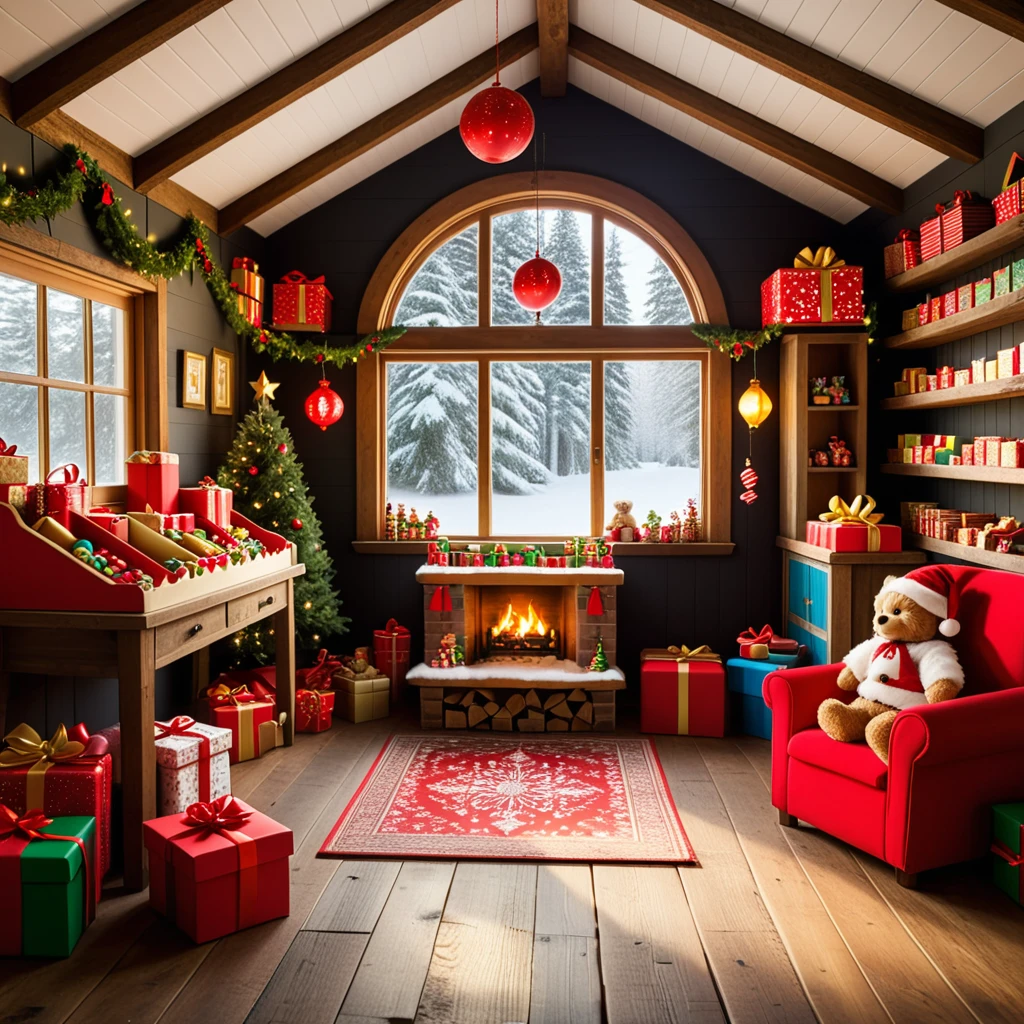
point(510, 429)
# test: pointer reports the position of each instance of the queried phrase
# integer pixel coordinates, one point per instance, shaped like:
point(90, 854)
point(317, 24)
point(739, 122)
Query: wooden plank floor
point(775, 926)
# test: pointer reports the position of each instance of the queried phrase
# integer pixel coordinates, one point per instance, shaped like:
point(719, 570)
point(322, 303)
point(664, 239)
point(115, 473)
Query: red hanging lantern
point(324, 406)
point(496, 124)
point(536, 284)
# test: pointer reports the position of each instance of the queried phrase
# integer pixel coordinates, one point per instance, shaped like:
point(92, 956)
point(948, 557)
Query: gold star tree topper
point(264, 388)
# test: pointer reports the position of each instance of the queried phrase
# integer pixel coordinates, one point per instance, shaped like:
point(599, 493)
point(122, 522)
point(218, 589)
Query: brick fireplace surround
point(526, 694)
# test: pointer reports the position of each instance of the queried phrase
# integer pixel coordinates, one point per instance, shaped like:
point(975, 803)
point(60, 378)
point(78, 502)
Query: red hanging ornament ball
point(496, 124)
point(536, 284)
point(107, 199)
point(282, 448)
point(319, 357)
point(296, 524)
point(324, 406)
point(254, 470)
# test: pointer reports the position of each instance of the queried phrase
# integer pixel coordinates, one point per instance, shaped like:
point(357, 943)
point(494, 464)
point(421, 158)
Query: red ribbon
point(595, 606)
point(70, 475)
point(221, 694)
point(7, 449)
point(16, 832)
point(888, 650)
point(298, 277)
point(243, 263)
point(906, 235)
point(1015, 860)
point(440, 601)
point(207, 481)
point(318, 676)
point(748, 636)
point(962, 195)
point(181, 725)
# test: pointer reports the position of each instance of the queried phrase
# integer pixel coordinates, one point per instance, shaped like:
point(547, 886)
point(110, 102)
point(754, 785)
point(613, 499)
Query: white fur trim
point(893, 696)
point(927, 598)
point(858, 660)
point(949, 627)
point(936, 659)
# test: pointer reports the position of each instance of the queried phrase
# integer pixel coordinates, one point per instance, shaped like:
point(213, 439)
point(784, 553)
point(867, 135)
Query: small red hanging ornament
point(107, 199)
point(496, 124)
point(80, 164)
point(749, 480)
point(254, 470)
point(595, 606)
point(324, 406)
point(536, 284)
point(296, 524)
point(282, 448)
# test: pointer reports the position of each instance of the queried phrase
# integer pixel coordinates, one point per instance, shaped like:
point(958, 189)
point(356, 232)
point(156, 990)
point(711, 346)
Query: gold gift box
point(362, 699)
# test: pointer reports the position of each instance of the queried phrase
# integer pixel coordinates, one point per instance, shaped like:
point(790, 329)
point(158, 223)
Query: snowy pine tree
point(566, 249)
point(443, 292)
point(619, 435)
point(513, 242)
point(617, 309)
point(518, 416)
point(666, 304)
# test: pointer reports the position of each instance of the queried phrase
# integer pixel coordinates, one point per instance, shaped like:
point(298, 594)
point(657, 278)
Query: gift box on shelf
point(748, 713)
point(209, 501)
point(248, 282)
point(152, 482)
point(16, 495)
point(904, 254)
point(302, 304)
point(1000, 282)
point(1011, 454)
point(64, 490)
point(1007, 204)
point(965, 297)
point(391, 648)
point(219, 868)
point(966, 216)
point(362, 700)
point(13, 467)
point(950, 303)
point(1008, 850)
point(682, 691)
point(1008, 362)
point(818, 288)
point(924, 313)
point(982, 291)
point(910, 319)
point(69, 774)
point(192, 763)
point(313, 710)
point(247, 718)
point(113, 522)
point(47, 888)
point(853, 527)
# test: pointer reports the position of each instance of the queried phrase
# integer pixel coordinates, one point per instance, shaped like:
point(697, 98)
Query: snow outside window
point(443, 292)
point(652, 420)
point(540, 448)
point(432, 442)
point(639, 288)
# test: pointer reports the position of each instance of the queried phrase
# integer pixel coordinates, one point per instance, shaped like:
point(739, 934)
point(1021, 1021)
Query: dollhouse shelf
point(966, 394)
point(993, 559)
point(985, 474)
point(972, 253)
point(694, 549)
point(995, 313)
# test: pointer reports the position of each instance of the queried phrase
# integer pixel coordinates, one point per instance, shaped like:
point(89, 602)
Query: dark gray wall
point(745, 229)
point(195, 323)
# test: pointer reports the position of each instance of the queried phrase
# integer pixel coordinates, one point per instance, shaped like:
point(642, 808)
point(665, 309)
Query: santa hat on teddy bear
point(931, 587)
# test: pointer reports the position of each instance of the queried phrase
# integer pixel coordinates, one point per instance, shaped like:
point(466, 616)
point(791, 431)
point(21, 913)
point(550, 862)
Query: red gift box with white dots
point(813, 296)
point(301, 304)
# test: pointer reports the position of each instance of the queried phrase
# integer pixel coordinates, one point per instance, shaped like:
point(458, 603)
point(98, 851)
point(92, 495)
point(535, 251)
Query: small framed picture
point(193, 380)
point(222, 396)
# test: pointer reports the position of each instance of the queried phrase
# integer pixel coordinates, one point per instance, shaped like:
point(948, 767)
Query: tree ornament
point(755, 406)
point(264, 388)
point(282, 448)
point(296, 524)
point(324, 406)
point(599, 662)
point(254, 470)
point(749, 480)
point(536, 284)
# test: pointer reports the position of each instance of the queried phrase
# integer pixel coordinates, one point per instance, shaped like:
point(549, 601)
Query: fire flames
point(514, 623)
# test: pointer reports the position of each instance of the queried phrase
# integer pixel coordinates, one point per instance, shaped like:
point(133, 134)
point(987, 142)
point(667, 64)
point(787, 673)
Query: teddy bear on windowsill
point(623, 520)
point(902, 666)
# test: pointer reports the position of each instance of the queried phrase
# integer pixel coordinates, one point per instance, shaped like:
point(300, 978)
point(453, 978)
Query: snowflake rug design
point(513, 798)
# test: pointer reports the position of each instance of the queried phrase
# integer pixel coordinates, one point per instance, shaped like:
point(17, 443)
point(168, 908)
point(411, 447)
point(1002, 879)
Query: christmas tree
point(599, 662)
point(266, 478)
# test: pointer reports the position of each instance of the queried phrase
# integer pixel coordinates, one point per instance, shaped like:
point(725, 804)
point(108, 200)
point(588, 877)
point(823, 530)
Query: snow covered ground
point(563, 507)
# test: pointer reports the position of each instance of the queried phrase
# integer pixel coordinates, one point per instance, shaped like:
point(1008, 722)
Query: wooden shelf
point(1002, 238)
point(833, 408)
point(819, 554)
point(691, 550)
point(832, 469)
point(966, 394)
point(994, 313)
point(985, 474)
point(992, 559)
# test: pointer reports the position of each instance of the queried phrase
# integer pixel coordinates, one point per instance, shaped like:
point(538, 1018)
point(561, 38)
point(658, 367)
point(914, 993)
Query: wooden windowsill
point(419, 547)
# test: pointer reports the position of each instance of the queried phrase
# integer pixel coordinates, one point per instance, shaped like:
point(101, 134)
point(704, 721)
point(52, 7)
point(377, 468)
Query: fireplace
point(517, 622)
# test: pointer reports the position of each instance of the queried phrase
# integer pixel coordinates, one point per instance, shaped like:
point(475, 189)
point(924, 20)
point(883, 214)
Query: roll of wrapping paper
point(203, 548)
point(151, 520)
point(156, 545)
point(53, 531)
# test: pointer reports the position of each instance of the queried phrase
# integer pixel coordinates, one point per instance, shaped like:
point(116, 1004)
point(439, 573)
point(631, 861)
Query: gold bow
point(823, 258)
point(682, 653)
point(860, 512)
point(27, 747)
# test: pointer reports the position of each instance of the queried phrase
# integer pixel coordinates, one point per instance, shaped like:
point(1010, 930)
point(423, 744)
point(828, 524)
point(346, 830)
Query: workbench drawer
point(254, 606)
point(176, 639)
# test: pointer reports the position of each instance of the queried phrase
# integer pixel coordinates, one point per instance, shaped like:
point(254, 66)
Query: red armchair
point(948, 763)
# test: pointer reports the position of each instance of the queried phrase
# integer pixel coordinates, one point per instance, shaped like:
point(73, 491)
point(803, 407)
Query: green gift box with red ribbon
point(46, 889)
point(1008, 849)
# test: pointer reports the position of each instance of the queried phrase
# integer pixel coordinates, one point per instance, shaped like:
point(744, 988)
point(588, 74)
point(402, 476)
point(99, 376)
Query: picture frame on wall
point(222, 383)
point(193, 380)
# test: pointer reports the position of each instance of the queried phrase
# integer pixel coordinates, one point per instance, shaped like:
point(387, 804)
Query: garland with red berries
point(735, 342)
point(84, 181)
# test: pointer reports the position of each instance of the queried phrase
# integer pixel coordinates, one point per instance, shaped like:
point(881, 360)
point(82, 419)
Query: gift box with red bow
point(251, 721)
point(13, 467)
point(757, 646)
point(1008, 849)
point(152, 482)
point(192, 763)
point(208, 501)
point(302, 303)
point(248, 283)
point(318, 675)
point(70, 774)
point(391, 648)
point(1007, 204)
point(64, 490)
point(904, 254)
point(262, 682)
point(313, 710)
point(966, 215)
point(46, 882)
point(819, 288)
point(682, 691)
point(218, 868)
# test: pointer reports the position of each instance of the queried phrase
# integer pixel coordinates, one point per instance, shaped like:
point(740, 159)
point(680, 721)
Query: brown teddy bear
point(902, 665)
point(623, 520)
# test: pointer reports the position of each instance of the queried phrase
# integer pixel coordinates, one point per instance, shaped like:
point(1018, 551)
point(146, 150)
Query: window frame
point(603, 201)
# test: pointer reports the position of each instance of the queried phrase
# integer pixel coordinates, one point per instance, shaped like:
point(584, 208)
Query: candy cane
point(749, 480)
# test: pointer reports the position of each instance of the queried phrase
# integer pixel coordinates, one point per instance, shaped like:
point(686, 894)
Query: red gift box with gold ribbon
point(246, 716)
point(68, 775)
point(209, 501)
point(248, 283)
point(682, 692)
point(302, 303)
point(218, 868)
point(313, 710)
point(818, 289)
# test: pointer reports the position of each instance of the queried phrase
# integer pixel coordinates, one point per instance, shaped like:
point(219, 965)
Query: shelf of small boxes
point(978, 537)
point(988, 459)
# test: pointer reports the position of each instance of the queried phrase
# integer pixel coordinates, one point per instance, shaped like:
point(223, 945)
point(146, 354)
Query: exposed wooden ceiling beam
point(1003, 15)
point(373, 132)
point(103, 53)
point(735, 122)
point(291, 83)
point(553, 31)
point(870, 96)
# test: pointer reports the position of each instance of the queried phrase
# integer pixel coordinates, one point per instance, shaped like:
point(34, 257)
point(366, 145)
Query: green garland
point(735, 342)
point(85, 182)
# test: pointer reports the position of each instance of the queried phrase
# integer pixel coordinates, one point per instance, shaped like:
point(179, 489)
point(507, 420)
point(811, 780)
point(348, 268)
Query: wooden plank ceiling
point(257, 111)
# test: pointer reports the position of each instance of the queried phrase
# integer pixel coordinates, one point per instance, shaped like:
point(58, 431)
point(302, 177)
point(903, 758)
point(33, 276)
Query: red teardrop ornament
point(324, 406)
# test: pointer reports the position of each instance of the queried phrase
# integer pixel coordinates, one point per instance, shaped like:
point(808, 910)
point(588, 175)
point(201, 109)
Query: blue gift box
point(747, 709)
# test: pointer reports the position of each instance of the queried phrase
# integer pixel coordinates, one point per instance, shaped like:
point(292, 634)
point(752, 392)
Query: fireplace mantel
point(475, 576)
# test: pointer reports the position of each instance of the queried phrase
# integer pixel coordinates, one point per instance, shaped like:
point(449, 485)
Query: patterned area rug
point(475, 796)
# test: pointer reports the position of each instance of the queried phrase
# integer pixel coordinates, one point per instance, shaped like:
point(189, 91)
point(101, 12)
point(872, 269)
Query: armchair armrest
point(793, 694)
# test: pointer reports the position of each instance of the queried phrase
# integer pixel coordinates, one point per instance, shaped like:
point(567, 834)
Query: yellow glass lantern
point(755, 406)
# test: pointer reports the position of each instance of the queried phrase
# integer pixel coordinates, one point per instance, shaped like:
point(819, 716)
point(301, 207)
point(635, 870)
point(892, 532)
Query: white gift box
point(180, 766)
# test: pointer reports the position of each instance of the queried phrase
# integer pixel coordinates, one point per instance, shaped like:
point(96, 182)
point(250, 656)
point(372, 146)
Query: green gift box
point(1007, 862)
point(491, 558)
point(982, 291)
point(530, 558)
point(53, 878)
point(1001, 282)
point(1016, 275)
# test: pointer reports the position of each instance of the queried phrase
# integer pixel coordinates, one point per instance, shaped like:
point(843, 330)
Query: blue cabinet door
point(817, 649)
point(817, 591)
point(799, 584)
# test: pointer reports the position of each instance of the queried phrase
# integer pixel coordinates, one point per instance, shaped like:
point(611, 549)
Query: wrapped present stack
point(818, 289)
point(254, 724)
point(247, 282)
point(904, 254)
point(362, 689)
point(302, 304)
point(1002, 281)
point(916, 379)
point(682, 691)
point(853, 527)
point(964, 217)
point(982, 530)
point(14, 487)
point(760, 653)
point(927, 449)
point(1007, 204)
